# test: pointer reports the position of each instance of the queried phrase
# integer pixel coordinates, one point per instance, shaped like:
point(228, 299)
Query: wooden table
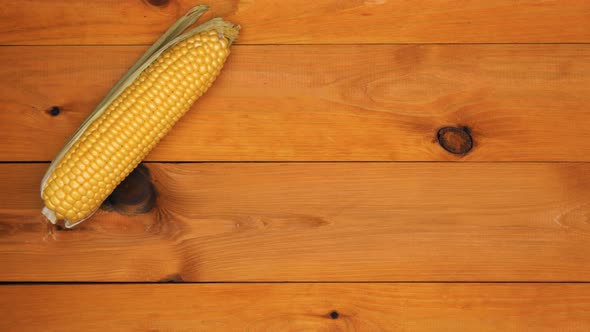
point(359, 165)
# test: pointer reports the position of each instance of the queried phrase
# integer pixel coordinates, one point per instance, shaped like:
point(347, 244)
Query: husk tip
point(198, 10)
point(49, 214)
point(231, 31)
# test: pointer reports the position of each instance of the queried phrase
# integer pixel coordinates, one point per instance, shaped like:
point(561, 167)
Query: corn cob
point(141, 108)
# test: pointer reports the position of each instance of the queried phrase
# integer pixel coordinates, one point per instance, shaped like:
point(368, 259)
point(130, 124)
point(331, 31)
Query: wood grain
point(315, 222)
point(296, 307)
point(303, 22)
point(521, 102)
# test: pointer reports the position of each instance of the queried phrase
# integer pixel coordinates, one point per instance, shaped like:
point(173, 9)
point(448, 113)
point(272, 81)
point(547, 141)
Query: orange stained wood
point(297, 307)
point(323, 102)
point(315, 222)
point(37, 22)
point(358, 217)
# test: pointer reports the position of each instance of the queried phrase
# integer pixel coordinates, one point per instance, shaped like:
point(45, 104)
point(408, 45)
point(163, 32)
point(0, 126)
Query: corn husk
point(174, 35)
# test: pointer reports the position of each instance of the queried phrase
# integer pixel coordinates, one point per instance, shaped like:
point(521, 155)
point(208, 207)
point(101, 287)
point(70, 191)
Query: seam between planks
point(8, 283)
point(319, 44)
point(331, 162)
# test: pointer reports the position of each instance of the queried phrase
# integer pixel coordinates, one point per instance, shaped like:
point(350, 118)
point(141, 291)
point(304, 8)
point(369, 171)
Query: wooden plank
point(315, 222)
point(301, 22)
point(523, 102)
point(296, 307)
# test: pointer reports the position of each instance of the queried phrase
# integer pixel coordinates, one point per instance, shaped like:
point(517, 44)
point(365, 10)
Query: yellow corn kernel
point(114, 143)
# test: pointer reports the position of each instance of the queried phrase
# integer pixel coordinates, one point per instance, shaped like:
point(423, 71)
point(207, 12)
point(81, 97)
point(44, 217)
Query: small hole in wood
point(54, 111)
point(456, 140)
point(334, 314)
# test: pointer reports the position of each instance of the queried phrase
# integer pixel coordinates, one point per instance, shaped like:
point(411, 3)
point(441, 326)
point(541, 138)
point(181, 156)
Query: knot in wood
point(135, 195)
point(456, 140)
point(158, 3)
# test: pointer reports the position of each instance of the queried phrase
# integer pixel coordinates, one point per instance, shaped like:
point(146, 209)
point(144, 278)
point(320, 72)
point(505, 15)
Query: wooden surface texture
point(298, 307)
point(315, 222)
point(40, 22)
point(318, 102)
point(360, 165)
